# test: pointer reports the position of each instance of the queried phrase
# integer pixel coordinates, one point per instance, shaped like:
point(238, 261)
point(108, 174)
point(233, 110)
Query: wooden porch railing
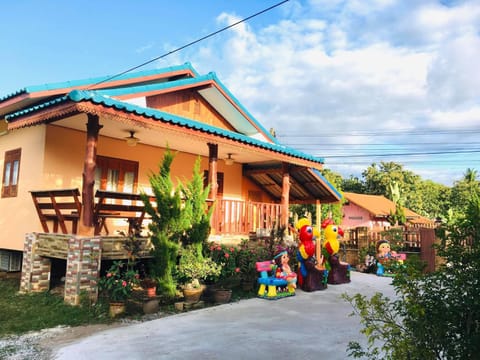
point(230, 217)
point(236, 217)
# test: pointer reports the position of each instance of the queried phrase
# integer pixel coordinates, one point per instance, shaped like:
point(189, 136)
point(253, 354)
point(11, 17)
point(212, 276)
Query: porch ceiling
point(306, 185)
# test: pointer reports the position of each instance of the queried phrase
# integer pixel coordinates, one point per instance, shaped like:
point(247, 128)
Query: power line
point(415, 132)
point(404, 154)
point(189, 44)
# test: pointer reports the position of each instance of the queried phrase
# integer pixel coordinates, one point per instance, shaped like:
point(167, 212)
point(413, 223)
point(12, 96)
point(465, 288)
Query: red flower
point(124, 283)
point(109, 275)
point(227, 255)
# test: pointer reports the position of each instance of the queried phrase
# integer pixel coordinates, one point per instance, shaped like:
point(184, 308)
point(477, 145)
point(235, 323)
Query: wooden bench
point(118, 205)
point(59, 206)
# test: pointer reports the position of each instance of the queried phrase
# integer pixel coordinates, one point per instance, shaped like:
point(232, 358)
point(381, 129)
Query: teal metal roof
point(95, 98)
point(330, 186)
point(96, 80)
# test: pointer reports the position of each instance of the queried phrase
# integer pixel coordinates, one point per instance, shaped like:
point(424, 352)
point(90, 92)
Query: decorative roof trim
point(327, 183)
point(107, 81)
point(79, 96)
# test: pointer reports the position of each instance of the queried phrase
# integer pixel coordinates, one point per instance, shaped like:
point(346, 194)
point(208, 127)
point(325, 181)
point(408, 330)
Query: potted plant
point(193, 267)
point(150, 286)
point(117, 285)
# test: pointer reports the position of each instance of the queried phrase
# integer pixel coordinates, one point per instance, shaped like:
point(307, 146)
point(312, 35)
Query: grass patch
point(22, 313)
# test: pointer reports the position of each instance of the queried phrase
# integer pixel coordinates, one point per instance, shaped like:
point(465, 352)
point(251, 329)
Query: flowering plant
point(119, 281)
point(247, 259)
point(227, 256)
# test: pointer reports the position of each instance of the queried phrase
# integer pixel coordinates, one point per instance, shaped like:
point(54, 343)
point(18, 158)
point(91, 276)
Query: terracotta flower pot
point(151, 292)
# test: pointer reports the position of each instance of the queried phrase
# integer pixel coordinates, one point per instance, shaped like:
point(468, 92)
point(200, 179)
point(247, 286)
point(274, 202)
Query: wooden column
point(212, 180)
point(88, 176)
point(285, 194)
point(212, 170)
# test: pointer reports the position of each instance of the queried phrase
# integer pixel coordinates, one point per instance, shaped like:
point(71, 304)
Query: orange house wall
point(17, 214)
point(64, 168)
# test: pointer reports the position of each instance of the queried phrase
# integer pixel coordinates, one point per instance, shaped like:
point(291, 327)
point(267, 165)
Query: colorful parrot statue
point(331, 245)
point(306, 249)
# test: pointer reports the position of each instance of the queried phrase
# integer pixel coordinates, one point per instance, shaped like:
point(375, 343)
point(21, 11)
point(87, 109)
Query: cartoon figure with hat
point(283, 270)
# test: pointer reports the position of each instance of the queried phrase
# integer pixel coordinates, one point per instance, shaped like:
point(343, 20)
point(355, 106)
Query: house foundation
point(83, 255)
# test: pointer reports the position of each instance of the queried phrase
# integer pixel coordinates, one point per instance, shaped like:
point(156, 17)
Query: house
point(372, 212)
point(109, 133)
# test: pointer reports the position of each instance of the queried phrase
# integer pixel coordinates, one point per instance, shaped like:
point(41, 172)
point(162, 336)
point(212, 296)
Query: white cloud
point(346, 66)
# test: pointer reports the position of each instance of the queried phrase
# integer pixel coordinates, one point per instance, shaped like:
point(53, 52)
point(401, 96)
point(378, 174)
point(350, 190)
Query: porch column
point(212, 170)
point(285, 194)
point(88, 176)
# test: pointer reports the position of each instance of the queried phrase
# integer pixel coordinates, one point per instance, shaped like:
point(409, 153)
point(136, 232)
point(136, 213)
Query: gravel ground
point(38, 345)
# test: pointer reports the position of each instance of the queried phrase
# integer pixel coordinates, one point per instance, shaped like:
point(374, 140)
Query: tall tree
point(168, 224)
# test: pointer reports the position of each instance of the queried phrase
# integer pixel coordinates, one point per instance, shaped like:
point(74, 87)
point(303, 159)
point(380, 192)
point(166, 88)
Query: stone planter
point(116, 309)
point(222, 296)
point(192, 295)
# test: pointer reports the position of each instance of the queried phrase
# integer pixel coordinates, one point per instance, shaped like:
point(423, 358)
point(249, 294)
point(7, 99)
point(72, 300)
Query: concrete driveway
point(313, 325)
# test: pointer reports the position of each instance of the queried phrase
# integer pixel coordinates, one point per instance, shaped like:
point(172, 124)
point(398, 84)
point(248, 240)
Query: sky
point(354, 82)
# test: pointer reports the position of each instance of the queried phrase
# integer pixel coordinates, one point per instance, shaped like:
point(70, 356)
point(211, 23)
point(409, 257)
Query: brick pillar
point(35, 269)
point(83, 267)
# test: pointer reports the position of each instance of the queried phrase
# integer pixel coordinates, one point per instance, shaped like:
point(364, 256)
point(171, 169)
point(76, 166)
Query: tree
point(436, 315)
point(462, 191)
point(398, 216)
point(353, 184)
point(168, 224)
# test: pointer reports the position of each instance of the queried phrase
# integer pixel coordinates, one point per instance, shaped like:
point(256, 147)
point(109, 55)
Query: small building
point(365, 219)
point(373, 211)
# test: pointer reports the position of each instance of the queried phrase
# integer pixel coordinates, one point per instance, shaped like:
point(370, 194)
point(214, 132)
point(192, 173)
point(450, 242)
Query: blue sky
point(355, 82)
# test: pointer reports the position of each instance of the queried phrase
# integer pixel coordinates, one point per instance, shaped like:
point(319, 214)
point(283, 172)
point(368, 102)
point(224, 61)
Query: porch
point(115, 216)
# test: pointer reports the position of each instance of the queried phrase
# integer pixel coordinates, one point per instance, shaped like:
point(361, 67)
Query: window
point(11, 170)
point(113, 174)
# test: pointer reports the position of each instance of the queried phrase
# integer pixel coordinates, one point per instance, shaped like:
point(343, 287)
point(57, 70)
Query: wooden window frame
point(122, 165)
point(10, 180)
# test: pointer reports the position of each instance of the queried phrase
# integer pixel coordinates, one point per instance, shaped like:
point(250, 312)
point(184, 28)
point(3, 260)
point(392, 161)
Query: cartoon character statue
point(386, 256)
point(338, 271)
point(283, 270)
point(311, 274)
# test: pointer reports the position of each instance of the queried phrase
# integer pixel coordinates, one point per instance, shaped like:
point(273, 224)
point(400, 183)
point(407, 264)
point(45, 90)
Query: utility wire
point(384, 133)
point(403, 154)
point(189, 44)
